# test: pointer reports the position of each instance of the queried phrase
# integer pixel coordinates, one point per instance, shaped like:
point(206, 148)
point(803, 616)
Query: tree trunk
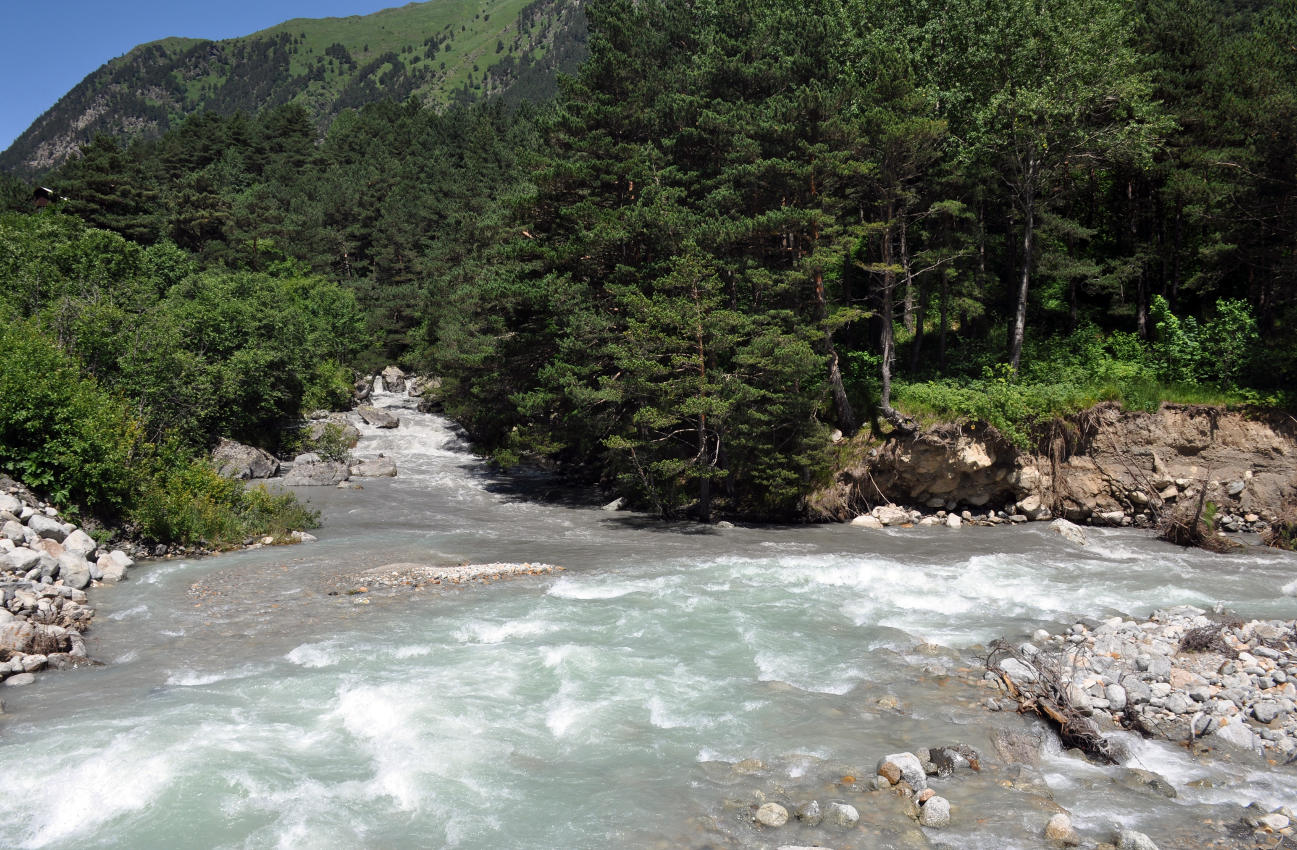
point(945, 321)
point(1028, 235)
point(846, 416)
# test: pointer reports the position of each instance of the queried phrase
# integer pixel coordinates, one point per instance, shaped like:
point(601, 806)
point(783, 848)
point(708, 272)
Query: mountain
point(441, 51)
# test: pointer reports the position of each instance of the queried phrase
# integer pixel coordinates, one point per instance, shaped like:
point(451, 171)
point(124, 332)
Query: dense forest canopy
point(740, 226)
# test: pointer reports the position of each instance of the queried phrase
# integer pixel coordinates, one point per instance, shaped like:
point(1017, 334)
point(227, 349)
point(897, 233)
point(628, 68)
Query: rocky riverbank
point(1179, 675)
point(46, 566)
point(417, 576)
point(1106, 466)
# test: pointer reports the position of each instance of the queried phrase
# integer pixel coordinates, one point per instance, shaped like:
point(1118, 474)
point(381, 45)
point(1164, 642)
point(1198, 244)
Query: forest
point(739, 227)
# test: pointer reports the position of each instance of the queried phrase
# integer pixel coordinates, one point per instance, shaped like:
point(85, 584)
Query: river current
point(624, 702)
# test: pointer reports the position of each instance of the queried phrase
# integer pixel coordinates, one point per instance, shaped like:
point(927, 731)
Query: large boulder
point(21, 559)
point(80, 543)
point(47, 527)
point(9, 503)
point(16, 636)
point(13, 530)
point(335, 424)
point(1069, 531)
point(235, 460)
point(379, 467)
point(74, 570)
point(417, 386)
point(377, 418)
point(394, 379)
point(325, 473)
point(112, 567)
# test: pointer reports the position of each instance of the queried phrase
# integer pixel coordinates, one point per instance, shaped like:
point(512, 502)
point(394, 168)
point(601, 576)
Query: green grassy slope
point(437, 51)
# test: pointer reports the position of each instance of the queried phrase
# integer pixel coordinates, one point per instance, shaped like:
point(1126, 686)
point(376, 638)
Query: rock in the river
point(379, 467)
point(866, 521)
point(905, 766)
point(615, 505)
point(935, 813)
point(1018, 671)
point(325, 473)
point(336, 425)
point(1069, 531)
point(74, 570)
point(842, 815)
point(1015, 746)
point(377, 418)
point(240, 462)
point(47, 527)
point(772, 815)
point(1129, 839)
point(20, 680)
point(809, 813)
point(1238, 734)
point(891, 515)
point(1060, 831)
point(953, 521)
point(394, 379)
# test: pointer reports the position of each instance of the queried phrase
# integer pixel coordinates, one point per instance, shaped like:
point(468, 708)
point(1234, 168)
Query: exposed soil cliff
point(1105, 466)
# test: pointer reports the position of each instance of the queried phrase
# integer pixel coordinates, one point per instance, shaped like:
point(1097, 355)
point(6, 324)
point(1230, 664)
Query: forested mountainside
point(438, 52)
point(740, 227)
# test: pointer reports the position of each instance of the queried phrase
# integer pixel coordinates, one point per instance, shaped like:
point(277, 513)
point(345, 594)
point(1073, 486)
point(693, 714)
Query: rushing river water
point(242, 706)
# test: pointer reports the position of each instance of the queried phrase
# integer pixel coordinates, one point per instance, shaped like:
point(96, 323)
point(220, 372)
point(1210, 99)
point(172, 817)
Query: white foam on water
point(134, 611)
point(600, 588)
point(195, 679)
point(413, 651)
point(121, 776)
point(322, 654)
point(1290, 589)
point(385, 721)
point(494, 633)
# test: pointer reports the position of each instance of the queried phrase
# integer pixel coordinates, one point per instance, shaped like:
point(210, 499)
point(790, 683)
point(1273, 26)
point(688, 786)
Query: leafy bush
point(1217, 352)
point(189, 502)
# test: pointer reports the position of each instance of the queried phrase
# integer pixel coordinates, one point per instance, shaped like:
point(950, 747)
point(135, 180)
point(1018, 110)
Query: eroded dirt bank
point(1105, 466)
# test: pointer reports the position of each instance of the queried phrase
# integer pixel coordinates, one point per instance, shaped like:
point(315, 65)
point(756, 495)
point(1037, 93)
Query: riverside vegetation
point(738, 228)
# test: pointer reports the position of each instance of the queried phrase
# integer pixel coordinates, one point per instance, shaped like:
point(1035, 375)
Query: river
point(242, 706)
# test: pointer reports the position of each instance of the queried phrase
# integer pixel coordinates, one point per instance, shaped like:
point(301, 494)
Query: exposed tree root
point(1047, 697)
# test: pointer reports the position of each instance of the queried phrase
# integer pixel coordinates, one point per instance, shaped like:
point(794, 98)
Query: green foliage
point(1218, 352)
point(187, 501)
point(332, 442)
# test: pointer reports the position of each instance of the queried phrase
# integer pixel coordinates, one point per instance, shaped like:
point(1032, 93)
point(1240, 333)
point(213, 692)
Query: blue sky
point(51, 45)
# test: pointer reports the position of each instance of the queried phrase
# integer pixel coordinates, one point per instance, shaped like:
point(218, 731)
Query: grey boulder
point(325, 473)
point(47, 527)
point(377, 418)
point(235, 460)
point(379, 467)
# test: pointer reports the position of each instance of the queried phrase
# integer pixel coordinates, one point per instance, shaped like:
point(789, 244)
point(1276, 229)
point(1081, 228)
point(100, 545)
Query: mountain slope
point(438, 51)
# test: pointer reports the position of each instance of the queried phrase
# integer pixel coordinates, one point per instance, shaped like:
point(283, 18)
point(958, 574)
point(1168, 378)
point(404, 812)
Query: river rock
point(21, 559)
point(377, 418)
point(953, 521)
point(842, 815)
point(1129, 839)
point(935, 813)
point(9, 503)
point(16, 636)
point(20, 680)
point(337, 423)
point(903, 766)
point(80, 543)
point(74, 570)
point(1016, 746)
point(1060, 831)
point(47, 527)
point(379, 467)
point(13, 530)
point(241, 462)
point(325, 473)
point(772, 815)
point(1069, 531)
point(394, 379)
point(891, 515)
point(1237, 734)
point(110, 570)
point(809, 813)
point(1018, 671)
point(866, 521)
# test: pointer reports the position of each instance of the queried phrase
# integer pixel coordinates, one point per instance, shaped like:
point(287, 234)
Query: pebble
point(772, 815)
point(935, 813)
point(1060, 831)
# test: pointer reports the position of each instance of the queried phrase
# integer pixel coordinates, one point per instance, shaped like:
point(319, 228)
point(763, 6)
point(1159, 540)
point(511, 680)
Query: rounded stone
point(1059, 830)
point(843, 815)
point(20, 680)
point(935, 813)
point(772, 815)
